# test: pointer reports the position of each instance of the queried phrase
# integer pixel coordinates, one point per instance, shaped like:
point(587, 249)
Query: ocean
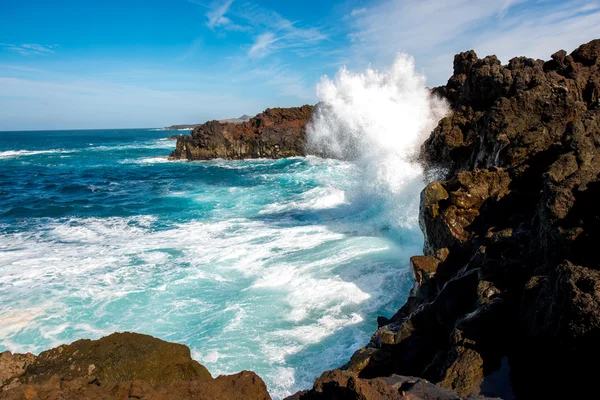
point(276, 266)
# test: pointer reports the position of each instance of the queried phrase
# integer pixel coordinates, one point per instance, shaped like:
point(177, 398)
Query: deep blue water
point(277, 266)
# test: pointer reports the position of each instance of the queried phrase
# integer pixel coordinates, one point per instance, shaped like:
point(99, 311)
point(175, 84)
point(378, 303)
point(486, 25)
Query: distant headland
point(239, 120)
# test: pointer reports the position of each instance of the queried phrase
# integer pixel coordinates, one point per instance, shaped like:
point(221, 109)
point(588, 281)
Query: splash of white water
point(378, 119)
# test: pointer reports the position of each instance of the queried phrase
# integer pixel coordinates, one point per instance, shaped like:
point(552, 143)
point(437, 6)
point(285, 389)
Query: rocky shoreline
point(275, 133)
point(506, 299)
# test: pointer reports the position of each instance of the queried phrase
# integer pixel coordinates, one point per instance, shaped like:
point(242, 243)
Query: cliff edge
point(506, 299)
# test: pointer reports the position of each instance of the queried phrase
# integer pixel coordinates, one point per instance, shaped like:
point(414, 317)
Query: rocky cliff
point(275, 133)
point(506, 298)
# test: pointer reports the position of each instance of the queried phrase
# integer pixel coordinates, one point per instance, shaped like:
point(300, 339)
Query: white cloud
point(282, 34)
point(30, 49)
point(270, 30)
point(357, 11)
point(539, 37)
point(434, 31)
point(262, 45)
point(216, 15)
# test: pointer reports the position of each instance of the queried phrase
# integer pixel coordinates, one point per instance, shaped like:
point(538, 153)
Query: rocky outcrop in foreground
point(507, 295)
point(134, 366)
point(120, 366)
point(275, 133)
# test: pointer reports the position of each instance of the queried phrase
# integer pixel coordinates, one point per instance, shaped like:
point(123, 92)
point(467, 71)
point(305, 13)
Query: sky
point(75, 64)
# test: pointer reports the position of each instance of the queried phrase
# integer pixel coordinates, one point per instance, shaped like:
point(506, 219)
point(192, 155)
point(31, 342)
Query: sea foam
point(24, 153)
point(378, 120)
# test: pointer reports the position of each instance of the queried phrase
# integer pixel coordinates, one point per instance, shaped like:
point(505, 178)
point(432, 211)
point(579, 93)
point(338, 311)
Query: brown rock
point(275, 133)
point(245, 385)
point(423, 268)
point(511, 233)
point(339, 384)
point(117, 358)
point(13, 365)
point(123, 365)
point(463, 372)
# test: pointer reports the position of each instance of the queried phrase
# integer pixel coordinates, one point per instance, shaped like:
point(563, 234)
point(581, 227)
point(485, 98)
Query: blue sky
point(68, 64)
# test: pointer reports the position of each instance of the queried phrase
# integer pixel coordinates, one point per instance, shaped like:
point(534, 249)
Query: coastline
point(508, 271)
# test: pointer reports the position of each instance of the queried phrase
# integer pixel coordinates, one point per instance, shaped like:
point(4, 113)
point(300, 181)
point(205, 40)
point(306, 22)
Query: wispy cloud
point(358, 11)
point(216, 15)
point(434, 31)
point(262, 45)
point(30, 49)
point(270, 31)
point(279, 33)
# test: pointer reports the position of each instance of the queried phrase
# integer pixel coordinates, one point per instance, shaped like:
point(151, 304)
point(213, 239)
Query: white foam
point(146, 160)
point(24, 153)
point(242, 292)
point(285, 379)
point(211, 357)
point(315, 333)
point(104, 260)
point(149, 144)
point(319, 198)
point(378, 119)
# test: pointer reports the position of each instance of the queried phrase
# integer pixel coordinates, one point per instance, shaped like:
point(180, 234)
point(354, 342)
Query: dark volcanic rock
point(275, 133)
point(122, 365)
point(510, 279)
point(344, 385)
point(176, 137)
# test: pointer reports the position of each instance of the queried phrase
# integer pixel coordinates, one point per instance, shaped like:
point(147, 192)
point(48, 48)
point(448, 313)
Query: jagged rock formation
point(275, 133)
point(339, 384)
point(122, 365)
point(509, 283)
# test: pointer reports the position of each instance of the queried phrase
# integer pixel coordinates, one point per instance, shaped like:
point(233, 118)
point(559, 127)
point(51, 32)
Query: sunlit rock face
point(275, 133)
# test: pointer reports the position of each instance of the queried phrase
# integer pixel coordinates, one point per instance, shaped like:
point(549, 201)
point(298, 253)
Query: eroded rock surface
point(12, 365)
point(275, 133)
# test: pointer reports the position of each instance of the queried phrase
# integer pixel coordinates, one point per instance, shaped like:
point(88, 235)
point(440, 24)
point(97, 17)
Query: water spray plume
point(378, 119)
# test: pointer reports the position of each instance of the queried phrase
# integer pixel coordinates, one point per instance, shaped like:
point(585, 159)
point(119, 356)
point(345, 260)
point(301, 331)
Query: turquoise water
point(276, 266)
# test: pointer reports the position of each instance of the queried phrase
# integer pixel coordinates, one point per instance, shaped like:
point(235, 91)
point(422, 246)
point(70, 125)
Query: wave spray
point(378, 120)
